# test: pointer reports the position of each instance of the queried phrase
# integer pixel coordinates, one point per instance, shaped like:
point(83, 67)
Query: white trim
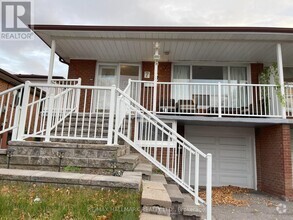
point(118, 65)
point(223, 64)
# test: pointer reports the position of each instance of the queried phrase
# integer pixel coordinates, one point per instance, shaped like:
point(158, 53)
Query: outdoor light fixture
point(61, 154)
point(157, 55)
point(9, 155)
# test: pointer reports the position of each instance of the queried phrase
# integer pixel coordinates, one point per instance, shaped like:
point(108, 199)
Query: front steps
point(86, 158)
point(165, 201)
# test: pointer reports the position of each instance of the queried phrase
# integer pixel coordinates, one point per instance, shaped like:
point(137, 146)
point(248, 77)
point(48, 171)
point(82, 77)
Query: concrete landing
point(65, 178)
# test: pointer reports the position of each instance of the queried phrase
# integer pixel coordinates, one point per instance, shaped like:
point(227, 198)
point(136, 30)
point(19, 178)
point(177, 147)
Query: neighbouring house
point(208, 90)
point(35, 78)
point(7, 81)
point(11, 88)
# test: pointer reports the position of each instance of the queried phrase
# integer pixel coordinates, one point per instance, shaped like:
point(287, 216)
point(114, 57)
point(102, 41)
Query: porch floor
point(225, 121)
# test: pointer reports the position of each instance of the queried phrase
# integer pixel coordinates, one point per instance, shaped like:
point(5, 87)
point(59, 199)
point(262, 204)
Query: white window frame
point(247, 65)
point(118, 66)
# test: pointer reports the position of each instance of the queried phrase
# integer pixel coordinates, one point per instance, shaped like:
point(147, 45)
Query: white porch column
point(156, 58)
point(281, 76)
point(51, 64)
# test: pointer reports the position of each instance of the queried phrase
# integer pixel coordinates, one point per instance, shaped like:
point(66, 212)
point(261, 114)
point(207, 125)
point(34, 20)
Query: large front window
point(204, 79)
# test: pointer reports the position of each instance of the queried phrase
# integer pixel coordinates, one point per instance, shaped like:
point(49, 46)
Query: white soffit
point(123, 46)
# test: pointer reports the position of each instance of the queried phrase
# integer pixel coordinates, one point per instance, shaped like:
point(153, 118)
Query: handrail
point(11, 89)
point(160, 121)
point(147, 142)
point(10, 103)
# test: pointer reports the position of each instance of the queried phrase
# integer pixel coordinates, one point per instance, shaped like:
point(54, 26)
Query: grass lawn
point(29, 201)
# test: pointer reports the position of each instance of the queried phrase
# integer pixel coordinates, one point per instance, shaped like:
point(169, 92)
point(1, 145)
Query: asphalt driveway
point(261, 207)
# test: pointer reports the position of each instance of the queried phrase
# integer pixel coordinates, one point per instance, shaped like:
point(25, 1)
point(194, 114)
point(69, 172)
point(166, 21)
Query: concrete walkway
point(36, 176)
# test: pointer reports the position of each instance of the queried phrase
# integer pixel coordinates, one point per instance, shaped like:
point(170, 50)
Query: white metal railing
point(214, 99)
point(50, 112)
point(289, 100)
point(10, 104)
point(67, 82)
point(164, 147)
point(57, 112)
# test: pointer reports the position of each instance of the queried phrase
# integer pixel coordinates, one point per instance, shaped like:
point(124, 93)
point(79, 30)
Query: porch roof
point(135, 43)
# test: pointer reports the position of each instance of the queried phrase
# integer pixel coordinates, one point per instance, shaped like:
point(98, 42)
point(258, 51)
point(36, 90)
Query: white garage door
point(232, 150)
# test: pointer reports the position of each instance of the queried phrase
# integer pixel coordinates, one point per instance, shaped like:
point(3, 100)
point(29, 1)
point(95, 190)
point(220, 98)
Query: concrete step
point(158, 178)
point(189, 209)
point(174, 193)
point(147, 216)
point(155, 194)
point(89, 180)
point(132, 174)
point(145, 168)
point(78, 141)
point(27, 148)
point(129, 158)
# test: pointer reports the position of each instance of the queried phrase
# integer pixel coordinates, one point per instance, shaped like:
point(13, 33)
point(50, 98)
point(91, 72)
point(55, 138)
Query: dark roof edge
point(161, 28)
point(37, 76)
point(10, 78)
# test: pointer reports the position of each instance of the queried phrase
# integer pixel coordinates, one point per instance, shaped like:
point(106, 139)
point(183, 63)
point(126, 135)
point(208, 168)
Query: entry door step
point(174, 193)
point(147, 216)
point(189, 208)
point(145, 168)
point(158, 178)
point(155, 194)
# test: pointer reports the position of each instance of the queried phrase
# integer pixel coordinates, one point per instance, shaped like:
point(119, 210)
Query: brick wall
point(164, 75)
point(256, 69)
point(4, 137)
point(86, 70)
point(273, 155)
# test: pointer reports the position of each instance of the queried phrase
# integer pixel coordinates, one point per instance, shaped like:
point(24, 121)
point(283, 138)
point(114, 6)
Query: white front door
point(232, 150)
point(107, 75)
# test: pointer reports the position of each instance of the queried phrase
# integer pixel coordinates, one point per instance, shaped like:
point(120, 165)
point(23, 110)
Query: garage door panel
point(232, 153)
point(203, 139)
point(233, 141)
point(235, 166)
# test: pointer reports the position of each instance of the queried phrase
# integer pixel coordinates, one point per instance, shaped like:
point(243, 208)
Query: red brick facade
point(164, 75)
point(256, 69)
point(273, 157)
point(85, 69)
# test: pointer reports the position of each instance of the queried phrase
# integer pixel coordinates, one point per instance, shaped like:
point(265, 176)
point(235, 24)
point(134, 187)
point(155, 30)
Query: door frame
point(118, 66)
